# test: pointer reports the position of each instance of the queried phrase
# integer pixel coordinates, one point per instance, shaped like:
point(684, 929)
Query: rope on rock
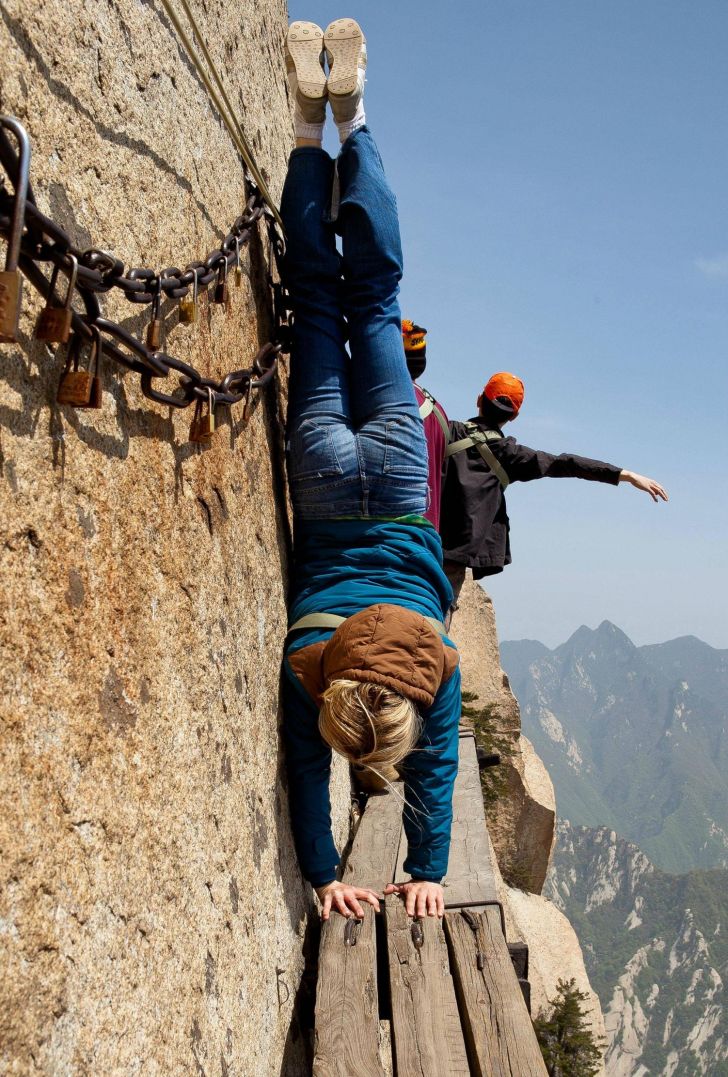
point(227, 112)
point(34, 238)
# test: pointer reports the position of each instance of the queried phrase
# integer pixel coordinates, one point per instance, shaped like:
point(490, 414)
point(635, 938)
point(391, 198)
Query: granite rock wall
point(152, 917)
point(521, 822)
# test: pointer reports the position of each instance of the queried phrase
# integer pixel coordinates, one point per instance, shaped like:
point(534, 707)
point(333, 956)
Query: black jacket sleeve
point(523, 464)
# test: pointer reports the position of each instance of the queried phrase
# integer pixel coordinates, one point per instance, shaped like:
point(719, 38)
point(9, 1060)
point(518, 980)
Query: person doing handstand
point(368, 671)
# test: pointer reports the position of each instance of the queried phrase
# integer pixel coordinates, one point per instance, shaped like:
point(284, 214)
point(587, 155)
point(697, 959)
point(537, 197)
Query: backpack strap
point(333, 620)
point(428, 405)
point(479, 439)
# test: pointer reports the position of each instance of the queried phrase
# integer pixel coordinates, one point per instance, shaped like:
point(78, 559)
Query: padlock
point(54, 323)
point(238, 268)
point(154, 329)
point(11, 282)
point(203, 426)
point(188, 305)
point(82, 388)
point(221, 294)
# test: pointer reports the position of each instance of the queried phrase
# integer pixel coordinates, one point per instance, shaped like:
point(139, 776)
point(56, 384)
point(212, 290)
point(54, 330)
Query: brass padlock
point(154, 329)
point(54, 322)
point(188, 304)
point(203, 426)
point(82, 388)
point(11, 282)
point(221, 293)
point(238, 268)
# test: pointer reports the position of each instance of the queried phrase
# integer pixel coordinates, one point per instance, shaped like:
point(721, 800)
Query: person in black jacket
point(481, 461)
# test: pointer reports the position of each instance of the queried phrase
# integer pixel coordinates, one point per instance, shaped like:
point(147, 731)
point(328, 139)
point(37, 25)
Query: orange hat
point(413, 337)
point(504, 388)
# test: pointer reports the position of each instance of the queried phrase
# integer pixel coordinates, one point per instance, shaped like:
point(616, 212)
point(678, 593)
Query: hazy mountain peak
point(634, 738)
point(604, 639)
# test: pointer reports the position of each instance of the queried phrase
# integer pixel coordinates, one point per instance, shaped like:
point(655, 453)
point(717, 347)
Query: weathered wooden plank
point(470, 878)
point(498, 1032)
point(376, 843)
point(428, 1038)
point(347, 1009)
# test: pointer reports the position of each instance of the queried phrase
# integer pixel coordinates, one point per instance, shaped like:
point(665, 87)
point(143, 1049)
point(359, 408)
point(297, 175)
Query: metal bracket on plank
point(466, 905)
point(418, 935)
point(351, 931)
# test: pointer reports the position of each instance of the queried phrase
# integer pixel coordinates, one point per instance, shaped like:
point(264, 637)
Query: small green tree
point(567, 1043)
point(492, 781)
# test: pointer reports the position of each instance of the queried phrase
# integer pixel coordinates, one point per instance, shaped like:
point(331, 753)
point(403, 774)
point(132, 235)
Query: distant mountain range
point(656, 950)
point(634, 738)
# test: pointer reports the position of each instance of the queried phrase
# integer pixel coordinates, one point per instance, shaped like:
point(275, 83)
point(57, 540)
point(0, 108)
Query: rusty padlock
point(221, 293)
point(11, 282)
point(54, 322)
point(188, 304)
point(82, 388)
point(238, 267)
point(203, 426)
point(154, 329)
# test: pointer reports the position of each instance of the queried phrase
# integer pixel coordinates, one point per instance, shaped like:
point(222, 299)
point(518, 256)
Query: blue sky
point(561, 175)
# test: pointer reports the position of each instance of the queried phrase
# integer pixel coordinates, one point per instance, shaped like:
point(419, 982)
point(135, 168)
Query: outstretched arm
point(641, 482)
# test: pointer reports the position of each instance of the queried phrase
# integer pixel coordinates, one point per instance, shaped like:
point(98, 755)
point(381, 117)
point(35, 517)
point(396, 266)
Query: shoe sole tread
point(305, 43)
point(343, 40)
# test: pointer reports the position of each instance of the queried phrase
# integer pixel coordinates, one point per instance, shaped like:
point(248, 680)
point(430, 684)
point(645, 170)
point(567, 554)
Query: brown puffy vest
point(382, 644)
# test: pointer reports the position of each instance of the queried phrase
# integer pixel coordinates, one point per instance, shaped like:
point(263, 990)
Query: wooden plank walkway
point(470, 876)
point(498, 1031)
point(347, 1002)
point(456, 1004)
point(426, 1030)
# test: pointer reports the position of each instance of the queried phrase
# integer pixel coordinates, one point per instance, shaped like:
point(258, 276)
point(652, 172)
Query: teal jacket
point(343, 566)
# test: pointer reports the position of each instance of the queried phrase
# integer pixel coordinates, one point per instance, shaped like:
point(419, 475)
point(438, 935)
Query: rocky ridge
point(655, 949)
point(634, 738)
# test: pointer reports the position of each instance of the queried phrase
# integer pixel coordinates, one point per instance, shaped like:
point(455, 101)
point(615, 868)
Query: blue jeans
point(355, 441)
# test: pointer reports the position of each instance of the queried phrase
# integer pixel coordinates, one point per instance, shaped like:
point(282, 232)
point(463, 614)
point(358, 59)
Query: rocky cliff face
point(522, 816)
point(655, 950)
point(152, 917)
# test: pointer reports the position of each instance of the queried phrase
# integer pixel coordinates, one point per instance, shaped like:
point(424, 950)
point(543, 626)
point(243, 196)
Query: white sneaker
point(346, 51)
point(305, 68)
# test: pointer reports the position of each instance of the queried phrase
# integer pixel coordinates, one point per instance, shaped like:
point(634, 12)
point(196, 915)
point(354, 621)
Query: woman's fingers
point(431, 905)
point(421, 903)
point(340, 903)
point(440, 903)
point(370, 896)
point(355, 907)
point(327, 906)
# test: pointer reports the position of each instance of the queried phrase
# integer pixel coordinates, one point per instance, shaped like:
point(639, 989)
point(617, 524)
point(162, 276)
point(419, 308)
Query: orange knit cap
point(413, 337)
point(504, 387)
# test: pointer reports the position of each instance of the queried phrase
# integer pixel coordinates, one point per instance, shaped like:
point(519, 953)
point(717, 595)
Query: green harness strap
point(428, 405)
point(479, 439)
point(333, 620)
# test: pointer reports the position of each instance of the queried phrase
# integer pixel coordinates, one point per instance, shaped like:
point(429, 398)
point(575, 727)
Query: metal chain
point(43, 240)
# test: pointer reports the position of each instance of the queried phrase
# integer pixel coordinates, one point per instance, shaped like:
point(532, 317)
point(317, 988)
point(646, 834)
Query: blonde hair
point(369, 724)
